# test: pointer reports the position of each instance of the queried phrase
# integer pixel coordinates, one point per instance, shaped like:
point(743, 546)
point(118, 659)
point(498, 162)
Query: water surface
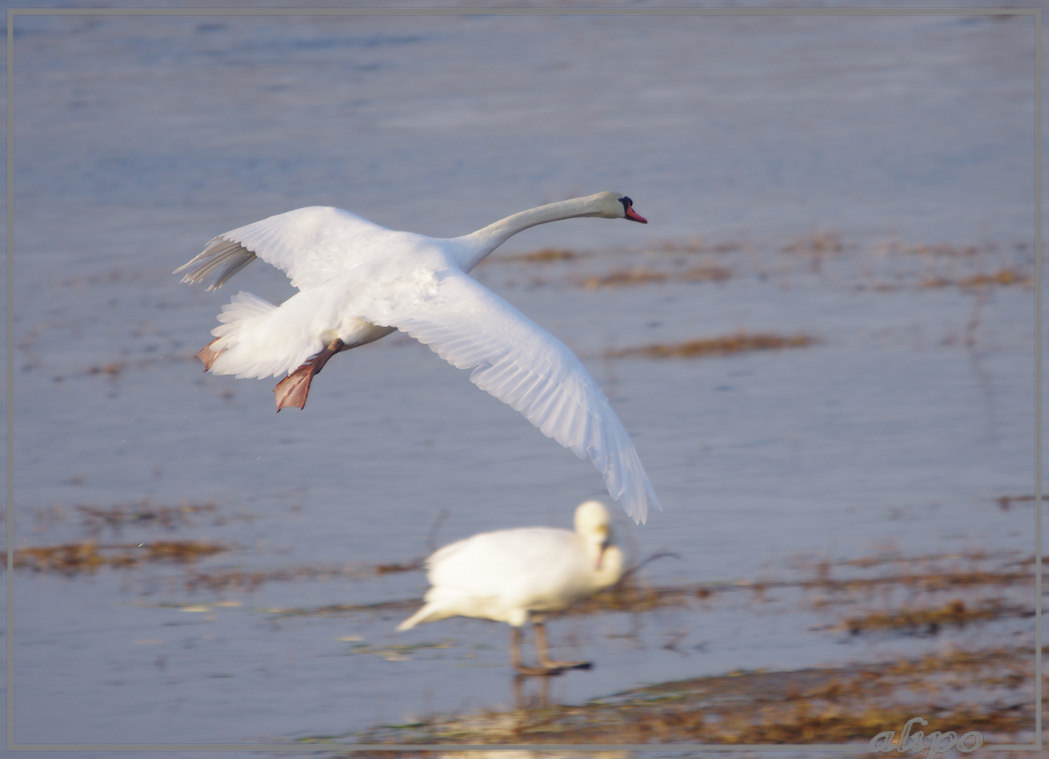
point(745, 141)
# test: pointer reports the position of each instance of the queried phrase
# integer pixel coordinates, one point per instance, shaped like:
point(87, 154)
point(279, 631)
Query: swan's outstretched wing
point(524, 366)
point(310, 245)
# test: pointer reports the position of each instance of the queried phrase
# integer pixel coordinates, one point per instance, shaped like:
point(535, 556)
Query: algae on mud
point(90, 556)
point(807, 707)
point(740, 342)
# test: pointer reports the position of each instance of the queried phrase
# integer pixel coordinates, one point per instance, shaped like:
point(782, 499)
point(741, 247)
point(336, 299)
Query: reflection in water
point(540, 690)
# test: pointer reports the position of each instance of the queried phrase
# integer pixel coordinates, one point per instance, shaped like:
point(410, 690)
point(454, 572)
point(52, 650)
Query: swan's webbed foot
point(293, 389)
point(556, 667)
point(207, 354)
point(553, 667)
point(547, 667)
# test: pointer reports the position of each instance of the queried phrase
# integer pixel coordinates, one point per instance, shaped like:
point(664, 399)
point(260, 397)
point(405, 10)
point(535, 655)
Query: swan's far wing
point(310, 245)
point(513, 359)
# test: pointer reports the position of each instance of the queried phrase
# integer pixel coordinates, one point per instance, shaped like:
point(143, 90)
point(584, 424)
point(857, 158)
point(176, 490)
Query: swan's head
point(615, 205)
point(593, 525)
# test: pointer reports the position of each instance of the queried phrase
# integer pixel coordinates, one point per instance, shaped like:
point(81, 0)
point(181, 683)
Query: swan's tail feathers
point(250, 341)
point(427, 613)
point(218, 253)
point(243, 308)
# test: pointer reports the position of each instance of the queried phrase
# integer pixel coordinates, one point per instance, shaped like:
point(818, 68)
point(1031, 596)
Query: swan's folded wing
point(524, 366)
point(486, 563)
point(311, 245)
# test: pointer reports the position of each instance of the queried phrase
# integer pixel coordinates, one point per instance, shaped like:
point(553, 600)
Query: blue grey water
point(137, 138)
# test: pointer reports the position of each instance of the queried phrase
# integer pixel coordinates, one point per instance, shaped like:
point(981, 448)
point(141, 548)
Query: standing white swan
point(359, 282)
point(515, 575)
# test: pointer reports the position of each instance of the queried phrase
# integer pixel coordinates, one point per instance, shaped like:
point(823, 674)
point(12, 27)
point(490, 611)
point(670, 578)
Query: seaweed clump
point(725, 345)
point(90, 556)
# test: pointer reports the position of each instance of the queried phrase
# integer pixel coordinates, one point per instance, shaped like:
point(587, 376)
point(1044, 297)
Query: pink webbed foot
point(293, 389)
point(207, 354)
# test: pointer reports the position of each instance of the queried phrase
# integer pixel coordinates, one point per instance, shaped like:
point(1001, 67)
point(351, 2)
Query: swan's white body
point(359, 281)
point(515, 575)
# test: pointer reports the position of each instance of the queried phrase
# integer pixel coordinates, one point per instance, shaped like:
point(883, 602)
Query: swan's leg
point(515, 649)
point(515, 657)
point(546, 666)
point(544, 655)
point(293, 389)
point(207, 354)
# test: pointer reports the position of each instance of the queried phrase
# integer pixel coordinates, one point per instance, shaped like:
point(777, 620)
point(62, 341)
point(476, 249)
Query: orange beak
point(635, 216)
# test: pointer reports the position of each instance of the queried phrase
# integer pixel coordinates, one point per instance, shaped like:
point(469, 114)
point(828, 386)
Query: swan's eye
point(627, 202)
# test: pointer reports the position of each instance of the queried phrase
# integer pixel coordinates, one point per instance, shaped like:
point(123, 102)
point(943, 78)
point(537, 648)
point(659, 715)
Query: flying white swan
point(359, 282)
point(515, 575)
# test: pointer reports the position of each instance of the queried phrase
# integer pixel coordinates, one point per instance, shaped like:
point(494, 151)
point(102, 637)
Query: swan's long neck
point(611, 566)
point(477, 245)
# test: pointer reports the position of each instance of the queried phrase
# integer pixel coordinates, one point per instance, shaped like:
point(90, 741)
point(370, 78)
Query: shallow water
point(139, 138)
